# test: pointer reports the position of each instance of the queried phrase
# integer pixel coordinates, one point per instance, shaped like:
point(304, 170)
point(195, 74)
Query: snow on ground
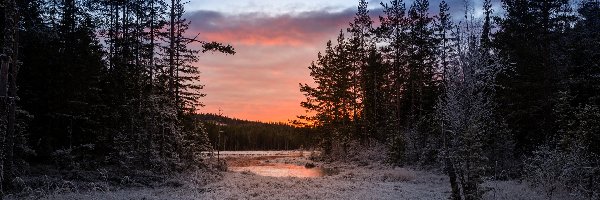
point(346, 181)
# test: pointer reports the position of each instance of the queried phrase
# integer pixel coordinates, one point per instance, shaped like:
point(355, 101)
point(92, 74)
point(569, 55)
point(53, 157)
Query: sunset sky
point(275, 41)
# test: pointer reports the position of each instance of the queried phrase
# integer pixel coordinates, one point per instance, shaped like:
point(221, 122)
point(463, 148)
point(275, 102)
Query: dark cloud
point(260, 28)
point(295, 29)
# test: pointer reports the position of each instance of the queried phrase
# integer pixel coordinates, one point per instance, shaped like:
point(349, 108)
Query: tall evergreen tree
point(182, 79)
point(422, 86)
point(447, 36)
point(9, 68)
point(584, 70)
point(531, 35)
point(66, 57)
point(331, 100)
point(373, 83)
point(358, 43)
point(448, 56)
point(392, 31)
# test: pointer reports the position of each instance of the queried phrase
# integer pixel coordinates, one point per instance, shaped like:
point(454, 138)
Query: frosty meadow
point(300, 99)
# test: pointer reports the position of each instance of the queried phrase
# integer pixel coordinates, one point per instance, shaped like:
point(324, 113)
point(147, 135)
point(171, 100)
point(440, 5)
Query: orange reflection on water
point(281, 170)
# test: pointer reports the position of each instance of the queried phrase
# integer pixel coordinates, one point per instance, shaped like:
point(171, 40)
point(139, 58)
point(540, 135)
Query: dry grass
point(350, 181)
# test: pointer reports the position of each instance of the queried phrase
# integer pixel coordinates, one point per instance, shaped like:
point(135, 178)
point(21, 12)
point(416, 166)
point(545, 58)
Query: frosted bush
point(558, 172)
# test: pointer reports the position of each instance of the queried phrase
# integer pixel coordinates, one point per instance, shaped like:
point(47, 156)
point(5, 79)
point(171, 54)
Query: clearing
point(292, 175)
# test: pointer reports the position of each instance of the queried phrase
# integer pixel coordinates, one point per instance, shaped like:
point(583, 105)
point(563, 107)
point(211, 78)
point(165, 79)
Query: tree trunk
point(8, 81)
point(450, 168)
point(453, 183)
point(3, 110)
point(3, 75)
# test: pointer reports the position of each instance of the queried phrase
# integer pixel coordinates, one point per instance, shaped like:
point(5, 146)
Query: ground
point(342, 180)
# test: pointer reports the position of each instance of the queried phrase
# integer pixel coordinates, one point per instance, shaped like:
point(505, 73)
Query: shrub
point(556, 171)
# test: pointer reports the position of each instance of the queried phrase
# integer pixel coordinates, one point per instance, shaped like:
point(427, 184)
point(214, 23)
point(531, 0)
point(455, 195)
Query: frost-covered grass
point(352, 180)
point(350, 184)
point(225, 154)
point(509, 190)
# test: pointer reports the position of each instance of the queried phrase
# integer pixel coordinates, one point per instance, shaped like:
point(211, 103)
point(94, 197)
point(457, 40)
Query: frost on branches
point(466, 109)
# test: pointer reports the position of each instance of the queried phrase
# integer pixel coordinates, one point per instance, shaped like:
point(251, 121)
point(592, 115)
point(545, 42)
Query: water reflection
point(281, 170)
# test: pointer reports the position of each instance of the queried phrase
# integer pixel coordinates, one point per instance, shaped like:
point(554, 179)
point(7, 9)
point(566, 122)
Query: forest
point(513, 94)
point(109, 88)
point(99, 83)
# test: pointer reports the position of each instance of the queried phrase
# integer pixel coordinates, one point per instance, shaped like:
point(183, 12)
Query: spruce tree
point(530, 37)
point(393, 32)
point(447, 50)
point(584, 68)
point(9, 68)
point(331, 100)
point(422, 87)
point(358, 43)
point(374, 111)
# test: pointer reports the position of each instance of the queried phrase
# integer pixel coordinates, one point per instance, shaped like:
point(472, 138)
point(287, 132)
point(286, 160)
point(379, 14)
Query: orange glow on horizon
point(261, 81)
point(263, 113)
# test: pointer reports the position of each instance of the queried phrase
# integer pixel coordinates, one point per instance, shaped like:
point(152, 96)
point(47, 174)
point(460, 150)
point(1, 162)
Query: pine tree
point(585, 54)
point(358, 43)
point(373, 84)
point(185, 78)
point(585, 70)
point(319, 99)
point(331, 100)
point(531, 37)
point(446, 36)
point(9, 68)
point(422, 86)
point(447, 49)
point(392, 31)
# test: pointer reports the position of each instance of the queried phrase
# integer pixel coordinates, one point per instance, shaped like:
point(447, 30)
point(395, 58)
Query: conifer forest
point(402, 99)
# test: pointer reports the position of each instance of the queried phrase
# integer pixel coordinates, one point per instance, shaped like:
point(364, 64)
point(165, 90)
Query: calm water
point(261, 163)
point(281, 170)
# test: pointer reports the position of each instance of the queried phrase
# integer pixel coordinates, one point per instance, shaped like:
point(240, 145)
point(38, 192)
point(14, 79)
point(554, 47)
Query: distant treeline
point(242, 135)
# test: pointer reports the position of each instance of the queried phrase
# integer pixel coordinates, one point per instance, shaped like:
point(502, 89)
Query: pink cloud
point(260, 29)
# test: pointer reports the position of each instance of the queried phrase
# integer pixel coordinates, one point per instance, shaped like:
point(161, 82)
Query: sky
point(275, 42)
